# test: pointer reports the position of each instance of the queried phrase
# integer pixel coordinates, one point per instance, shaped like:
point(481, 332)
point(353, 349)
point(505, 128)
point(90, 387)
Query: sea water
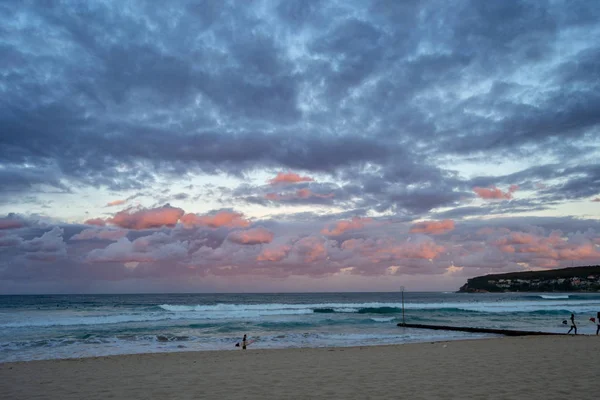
point(68, 326)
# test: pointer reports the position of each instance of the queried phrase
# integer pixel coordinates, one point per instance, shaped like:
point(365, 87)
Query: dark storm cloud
point(111, 94)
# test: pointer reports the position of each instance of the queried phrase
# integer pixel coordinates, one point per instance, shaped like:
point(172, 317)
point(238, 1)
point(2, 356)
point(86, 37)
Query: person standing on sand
point(245, 341)
point(573, 326)
point(597, 323)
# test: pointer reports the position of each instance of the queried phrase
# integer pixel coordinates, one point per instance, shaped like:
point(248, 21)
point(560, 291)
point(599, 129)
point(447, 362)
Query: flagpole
point(402, 290)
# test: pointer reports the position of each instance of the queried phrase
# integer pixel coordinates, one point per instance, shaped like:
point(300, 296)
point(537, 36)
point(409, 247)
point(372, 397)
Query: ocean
point(70, 326)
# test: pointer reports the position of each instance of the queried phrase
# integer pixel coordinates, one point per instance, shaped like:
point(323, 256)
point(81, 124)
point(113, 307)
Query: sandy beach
point(503, 368)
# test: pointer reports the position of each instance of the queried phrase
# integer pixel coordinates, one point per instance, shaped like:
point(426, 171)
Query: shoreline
point(255, 349)
point(502, 367)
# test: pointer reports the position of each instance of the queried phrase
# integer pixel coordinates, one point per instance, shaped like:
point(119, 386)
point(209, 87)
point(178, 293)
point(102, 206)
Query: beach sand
point(544, 367)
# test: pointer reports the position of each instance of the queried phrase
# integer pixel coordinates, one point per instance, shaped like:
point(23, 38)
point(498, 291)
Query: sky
point(297, 145)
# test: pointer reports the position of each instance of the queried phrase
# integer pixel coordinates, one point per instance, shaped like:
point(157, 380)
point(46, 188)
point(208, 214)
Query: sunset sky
point(251, 146)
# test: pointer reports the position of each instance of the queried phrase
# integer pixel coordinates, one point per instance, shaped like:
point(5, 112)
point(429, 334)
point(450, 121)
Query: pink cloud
point(147, 218)
point(304, 249)
point(494, 193)
point(289, 177)
point(579, 252)
point(343, 226)
point(102, 234)
point(433, 227)
point(222, 218)
point(251, 236)
point(387, 250)
point(95, 221)
point(506, 248)
point(11, 223)
point(273, 254)
point(517, 238)
point(310, 248)
point(546, 251)
point(115, 203)
point(485, 231)
point(426, 250)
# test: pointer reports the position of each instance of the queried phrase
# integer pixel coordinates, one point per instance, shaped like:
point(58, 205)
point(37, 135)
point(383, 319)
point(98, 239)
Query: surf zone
point(364, 310)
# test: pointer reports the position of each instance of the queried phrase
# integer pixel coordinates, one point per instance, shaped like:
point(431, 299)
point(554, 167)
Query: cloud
point(101, 234)
point(310, 249)
point(549, 250)
point(10, 240)
point(95, 221)
point(219, 219)
point(251, 236)
point(343, 226)
point(48, 247)
point(596, 200)
point(146, 249)
point(147, 218)
point(280, 249)
point(115, 203)
point(289, 177)
point(495, 193)
point(433, 227)
point(11, 222)
point(274, 254)
point(344, 93)
point(387, 250)
point(300, 194)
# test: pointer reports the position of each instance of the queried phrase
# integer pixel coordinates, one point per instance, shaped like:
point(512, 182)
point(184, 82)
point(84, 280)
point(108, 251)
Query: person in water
point(573, 326)
point(245, 342)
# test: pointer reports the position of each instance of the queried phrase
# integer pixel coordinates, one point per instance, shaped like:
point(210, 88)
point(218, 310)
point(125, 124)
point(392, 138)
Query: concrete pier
point(506, 332)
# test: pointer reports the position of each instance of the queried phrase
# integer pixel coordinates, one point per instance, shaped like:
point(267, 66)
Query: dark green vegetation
point(576, 279)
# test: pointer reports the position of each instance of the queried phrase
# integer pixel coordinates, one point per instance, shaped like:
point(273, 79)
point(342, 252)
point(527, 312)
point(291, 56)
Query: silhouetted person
point(573, 326)
point(245, 341)
point(597, 323)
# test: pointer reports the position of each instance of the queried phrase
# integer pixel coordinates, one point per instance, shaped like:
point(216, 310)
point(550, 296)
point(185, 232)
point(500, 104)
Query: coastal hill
point(575, 279)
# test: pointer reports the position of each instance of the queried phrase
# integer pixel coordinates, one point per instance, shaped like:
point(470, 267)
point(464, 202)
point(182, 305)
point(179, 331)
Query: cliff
point(576, 279)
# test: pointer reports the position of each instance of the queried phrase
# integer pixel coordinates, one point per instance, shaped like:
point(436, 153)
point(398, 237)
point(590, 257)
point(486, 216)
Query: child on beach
point(573, 326)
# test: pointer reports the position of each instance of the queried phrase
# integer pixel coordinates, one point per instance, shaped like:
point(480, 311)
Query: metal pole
point(402, 289)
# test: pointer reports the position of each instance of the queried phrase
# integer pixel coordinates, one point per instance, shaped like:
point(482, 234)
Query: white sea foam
point(269, 306)
point(146, 317)
point(346, 310)
point(551, 297)
point(383, 319)
point(243, 310)
point(87, 320)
